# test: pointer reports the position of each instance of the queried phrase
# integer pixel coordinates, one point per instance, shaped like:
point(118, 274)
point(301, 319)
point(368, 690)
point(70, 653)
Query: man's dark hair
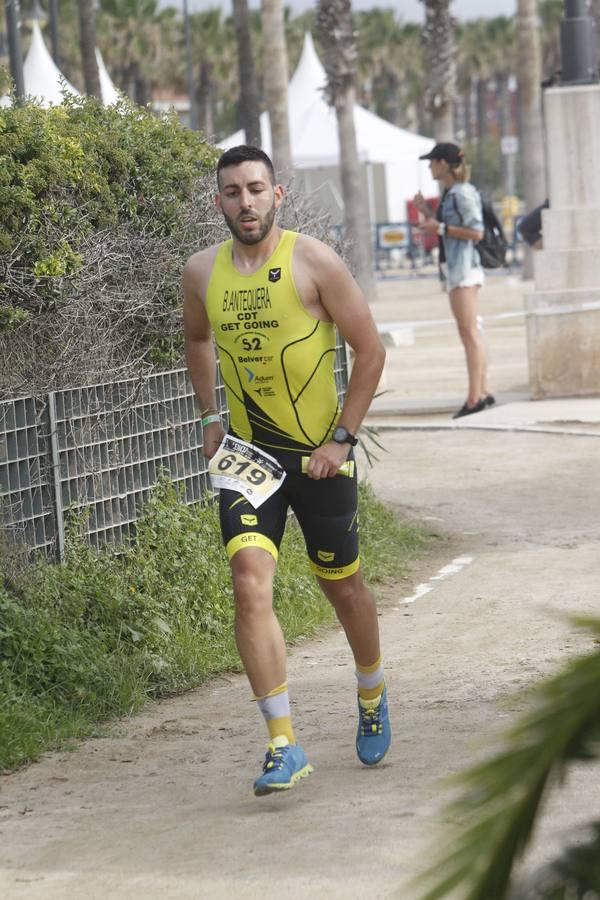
point(245, 153)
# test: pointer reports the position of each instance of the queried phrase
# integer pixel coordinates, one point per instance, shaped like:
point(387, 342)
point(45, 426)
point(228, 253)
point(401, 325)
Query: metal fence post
point(56, 485)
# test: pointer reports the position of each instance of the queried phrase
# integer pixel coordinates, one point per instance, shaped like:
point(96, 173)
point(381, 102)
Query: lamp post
point(578, 44)
point(189, 62)
point(14, 49)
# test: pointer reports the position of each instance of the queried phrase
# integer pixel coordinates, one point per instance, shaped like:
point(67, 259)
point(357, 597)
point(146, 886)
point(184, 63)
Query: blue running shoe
point(284, 765)
point(374, 734)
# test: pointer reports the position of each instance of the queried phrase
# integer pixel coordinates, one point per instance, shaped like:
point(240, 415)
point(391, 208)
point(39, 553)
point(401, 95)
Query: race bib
point(242, 467)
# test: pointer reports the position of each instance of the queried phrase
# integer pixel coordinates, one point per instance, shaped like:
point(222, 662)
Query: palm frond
point(501, 796)
point(369, 433)
point(575, 875)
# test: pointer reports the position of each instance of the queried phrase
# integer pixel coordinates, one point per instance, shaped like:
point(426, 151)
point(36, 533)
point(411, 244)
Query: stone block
point(398, 337)
point(563, 341)
point(572, 116)
point(558, 270)
point(565, 229)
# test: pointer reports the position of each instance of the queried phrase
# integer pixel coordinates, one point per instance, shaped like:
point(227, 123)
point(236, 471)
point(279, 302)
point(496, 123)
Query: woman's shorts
point(475, 278)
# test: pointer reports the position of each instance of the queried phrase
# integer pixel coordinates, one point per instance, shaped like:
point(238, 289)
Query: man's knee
point(252, 574)
point(343, 592)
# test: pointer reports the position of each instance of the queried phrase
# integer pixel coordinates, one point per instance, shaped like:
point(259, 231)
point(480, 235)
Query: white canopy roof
point(41, 75)
point(314, 136)
point(110, 94)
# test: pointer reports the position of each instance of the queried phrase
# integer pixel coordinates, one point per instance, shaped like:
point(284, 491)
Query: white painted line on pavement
point(457, 565)
point(426, 323)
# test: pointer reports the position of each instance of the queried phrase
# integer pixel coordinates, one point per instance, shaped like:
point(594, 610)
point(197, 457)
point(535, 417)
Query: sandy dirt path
point(164, 808)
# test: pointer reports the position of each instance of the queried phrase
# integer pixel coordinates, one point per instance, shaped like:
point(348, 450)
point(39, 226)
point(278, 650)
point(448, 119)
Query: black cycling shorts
point(326, 510)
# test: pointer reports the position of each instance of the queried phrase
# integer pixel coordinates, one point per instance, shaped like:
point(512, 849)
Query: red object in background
point(429, 241)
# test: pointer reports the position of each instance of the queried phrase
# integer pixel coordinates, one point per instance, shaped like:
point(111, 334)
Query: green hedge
point(80, 167)
point(95, 637)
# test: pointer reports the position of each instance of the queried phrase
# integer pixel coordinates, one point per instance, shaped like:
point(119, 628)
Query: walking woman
point(459, 225)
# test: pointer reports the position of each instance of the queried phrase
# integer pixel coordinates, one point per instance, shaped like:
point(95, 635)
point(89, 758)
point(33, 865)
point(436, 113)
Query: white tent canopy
point(315, 144)
point(45, 82)
point(110, 95)
point(43, 79)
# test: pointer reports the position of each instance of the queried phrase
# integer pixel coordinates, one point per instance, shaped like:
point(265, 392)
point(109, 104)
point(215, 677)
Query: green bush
point(99, 209)
point(80, 167)
point(98, 635)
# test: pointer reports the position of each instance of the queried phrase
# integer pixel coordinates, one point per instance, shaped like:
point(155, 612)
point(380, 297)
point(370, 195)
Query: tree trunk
point(87, 42)
point(276, 85)
point(356, 213)
point(334, 18)
point(205, 96)
point(595, 14)
point(249, 109)
point(531, 143)
point(467, 100)
point(440, 65)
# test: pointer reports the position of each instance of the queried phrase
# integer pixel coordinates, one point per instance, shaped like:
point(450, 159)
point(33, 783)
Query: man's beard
point(266, 223)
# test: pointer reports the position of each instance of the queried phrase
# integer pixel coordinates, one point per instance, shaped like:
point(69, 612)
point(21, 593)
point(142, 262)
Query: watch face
point(341, 435)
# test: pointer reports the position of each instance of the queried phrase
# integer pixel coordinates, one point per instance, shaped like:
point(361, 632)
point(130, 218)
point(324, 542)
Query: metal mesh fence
point(26, 485)
point(99, 451)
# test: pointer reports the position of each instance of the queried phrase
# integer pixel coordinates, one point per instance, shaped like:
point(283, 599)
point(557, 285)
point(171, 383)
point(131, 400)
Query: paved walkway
point(425, 375)
point(162, 809)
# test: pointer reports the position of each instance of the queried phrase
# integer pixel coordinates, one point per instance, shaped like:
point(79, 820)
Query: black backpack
point(493, 245)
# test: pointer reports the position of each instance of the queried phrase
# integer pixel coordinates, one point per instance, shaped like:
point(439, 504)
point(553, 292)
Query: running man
point(272, 300)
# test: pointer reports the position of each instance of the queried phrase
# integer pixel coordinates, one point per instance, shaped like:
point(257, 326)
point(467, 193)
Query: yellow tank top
point(277, 361)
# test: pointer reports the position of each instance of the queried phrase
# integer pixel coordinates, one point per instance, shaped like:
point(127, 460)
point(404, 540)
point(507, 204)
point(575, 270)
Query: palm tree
point(275, 78)
point(474, 71)
point(212, 43)
point(440, 66)
point(529, 74)
point(248, 106)
point(551, 15)
point(87, 42)
point(334, 18)
point(501, 797)
point(132, 43)
point(390, 66)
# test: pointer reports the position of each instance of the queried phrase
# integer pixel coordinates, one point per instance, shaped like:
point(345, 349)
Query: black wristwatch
point(341, 435)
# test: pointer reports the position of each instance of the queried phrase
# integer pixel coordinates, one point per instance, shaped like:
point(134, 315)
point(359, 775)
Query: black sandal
point(467, 410)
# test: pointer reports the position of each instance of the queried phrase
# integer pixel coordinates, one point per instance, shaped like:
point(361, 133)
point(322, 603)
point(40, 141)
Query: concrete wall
point(563, 313)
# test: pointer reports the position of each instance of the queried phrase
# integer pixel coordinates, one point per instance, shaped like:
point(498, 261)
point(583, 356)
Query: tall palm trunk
point(276, 84)
point(87, 43)
point(249, 110)
point(595, 13)
point(206, 85)
point(529, 76)
point(334, 19)
point(440, 65)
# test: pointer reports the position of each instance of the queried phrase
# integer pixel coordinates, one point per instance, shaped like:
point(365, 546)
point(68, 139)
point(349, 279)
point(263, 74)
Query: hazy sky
point(409, 10)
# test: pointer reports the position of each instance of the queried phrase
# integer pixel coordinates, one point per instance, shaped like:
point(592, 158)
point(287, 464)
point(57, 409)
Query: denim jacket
point(461, 205)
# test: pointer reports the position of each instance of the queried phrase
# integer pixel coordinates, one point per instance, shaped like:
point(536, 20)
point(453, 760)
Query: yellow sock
point(370, 680)
point(281, 725)
point(275, 707)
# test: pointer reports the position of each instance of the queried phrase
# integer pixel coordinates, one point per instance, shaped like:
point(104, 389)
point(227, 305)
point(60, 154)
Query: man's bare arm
point(347, 306)
point(199, 349)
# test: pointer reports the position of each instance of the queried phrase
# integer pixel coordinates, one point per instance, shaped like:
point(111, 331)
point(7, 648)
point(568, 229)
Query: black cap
point(450, 152)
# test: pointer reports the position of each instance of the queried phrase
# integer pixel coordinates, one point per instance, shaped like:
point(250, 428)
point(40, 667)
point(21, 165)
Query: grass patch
point(98, 636)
